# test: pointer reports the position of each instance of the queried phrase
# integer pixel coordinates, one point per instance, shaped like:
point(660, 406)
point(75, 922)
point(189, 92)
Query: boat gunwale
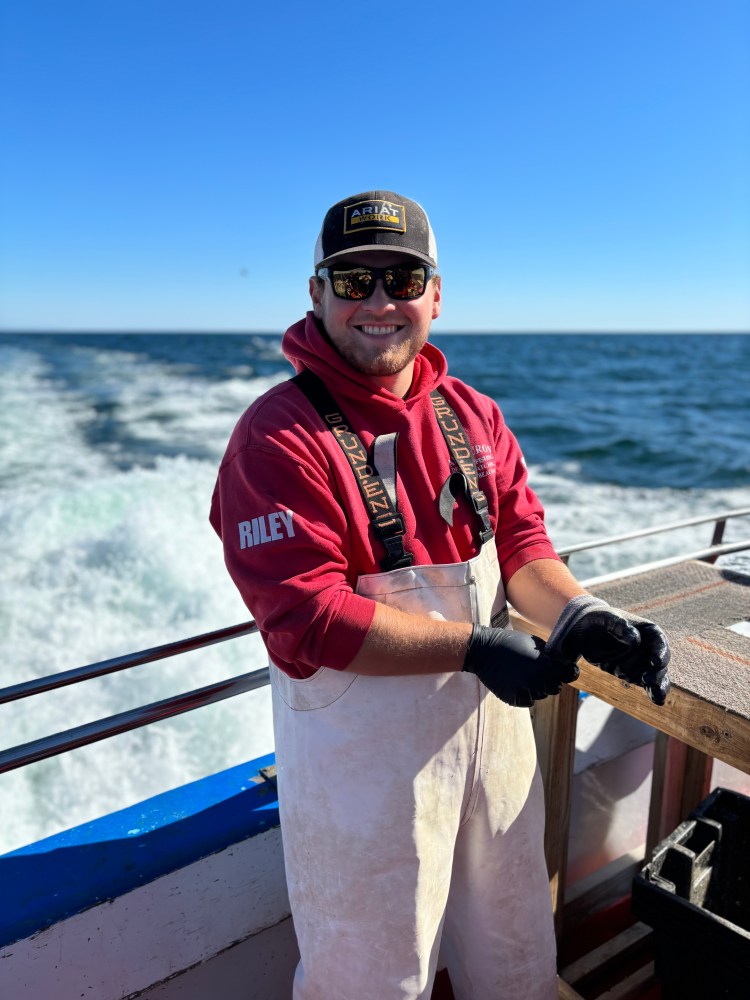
point(50, 746)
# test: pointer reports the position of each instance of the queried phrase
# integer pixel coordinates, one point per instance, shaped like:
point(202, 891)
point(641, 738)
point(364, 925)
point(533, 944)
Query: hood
point(306, 346)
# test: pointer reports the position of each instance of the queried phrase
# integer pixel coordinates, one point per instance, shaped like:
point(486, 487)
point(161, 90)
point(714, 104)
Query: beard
point(376, 359)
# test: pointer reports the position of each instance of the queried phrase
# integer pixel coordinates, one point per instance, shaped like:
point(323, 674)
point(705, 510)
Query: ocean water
point(109, 446)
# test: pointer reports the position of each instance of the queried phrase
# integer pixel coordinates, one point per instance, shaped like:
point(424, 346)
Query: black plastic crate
point(695, 893)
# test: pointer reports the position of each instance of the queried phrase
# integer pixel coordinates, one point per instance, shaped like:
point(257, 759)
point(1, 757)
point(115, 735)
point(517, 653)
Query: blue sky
point(166, 165)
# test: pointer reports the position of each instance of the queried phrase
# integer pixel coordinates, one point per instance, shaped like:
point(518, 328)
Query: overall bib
point(412, 805)
point(412, 818)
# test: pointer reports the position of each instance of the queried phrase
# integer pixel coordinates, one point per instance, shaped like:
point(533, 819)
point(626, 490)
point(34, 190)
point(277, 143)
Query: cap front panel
point(372, 221)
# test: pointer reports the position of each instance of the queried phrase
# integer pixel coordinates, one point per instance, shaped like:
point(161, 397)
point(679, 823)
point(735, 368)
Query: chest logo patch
point(374, 215)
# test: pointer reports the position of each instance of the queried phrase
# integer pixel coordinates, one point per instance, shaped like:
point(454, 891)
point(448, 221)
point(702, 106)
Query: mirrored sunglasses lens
point(359, 282)
point(354, 283)
point(405, 282)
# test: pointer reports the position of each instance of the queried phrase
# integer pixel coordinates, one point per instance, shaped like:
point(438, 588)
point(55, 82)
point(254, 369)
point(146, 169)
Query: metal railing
point(709, 553)
point(70, 739)
point(123, 722)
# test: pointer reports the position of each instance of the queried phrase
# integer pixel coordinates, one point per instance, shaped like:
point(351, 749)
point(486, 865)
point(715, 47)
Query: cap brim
point(380, 248)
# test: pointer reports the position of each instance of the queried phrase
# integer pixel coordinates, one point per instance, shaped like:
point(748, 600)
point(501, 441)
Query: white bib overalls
point(412, 818)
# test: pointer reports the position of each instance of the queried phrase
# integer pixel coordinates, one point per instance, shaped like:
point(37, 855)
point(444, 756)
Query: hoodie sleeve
point(286, 546)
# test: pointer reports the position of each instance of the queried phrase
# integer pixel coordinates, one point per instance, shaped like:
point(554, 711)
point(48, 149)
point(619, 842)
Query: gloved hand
point(625, 645)
point(515, 666)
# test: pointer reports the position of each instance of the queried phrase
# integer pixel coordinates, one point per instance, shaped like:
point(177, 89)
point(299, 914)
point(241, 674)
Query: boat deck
point(699, 606)
point(705, 610)
point(603, 950)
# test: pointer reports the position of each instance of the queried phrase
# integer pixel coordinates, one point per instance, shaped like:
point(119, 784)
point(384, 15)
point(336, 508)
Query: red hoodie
point(295, 532)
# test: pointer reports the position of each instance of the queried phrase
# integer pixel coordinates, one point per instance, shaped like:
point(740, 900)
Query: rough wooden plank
point(601, 888)
point(662, 809)
point(697, 775)
point(617, 947)
point(633, 985)
point(682, 779)
point(566, 992)
point(555, 731)
point(709, 727)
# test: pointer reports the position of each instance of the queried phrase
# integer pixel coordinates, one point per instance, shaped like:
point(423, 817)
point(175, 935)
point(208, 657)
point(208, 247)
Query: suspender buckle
point(390, 529)
point(481, 504)
point(389, 526)
point(396, 557)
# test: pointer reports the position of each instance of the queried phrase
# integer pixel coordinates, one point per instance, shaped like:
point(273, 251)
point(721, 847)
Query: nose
point(379, 301)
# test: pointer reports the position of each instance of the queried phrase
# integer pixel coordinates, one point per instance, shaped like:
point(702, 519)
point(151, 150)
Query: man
point(374, 513)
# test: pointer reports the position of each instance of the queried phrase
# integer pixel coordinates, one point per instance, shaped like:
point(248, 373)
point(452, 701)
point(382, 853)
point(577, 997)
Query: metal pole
point(53, 681)
point(91, 732)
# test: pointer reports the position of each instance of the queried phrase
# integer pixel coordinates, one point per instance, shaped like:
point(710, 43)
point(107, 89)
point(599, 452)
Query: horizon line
point(173, 331)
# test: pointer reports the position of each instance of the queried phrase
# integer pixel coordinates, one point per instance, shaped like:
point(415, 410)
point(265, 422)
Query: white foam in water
point(40, 442)
point(577, 512)
point(97, 561)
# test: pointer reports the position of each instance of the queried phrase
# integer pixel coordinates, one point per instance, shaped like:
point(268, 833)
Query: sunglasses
point(401, 281)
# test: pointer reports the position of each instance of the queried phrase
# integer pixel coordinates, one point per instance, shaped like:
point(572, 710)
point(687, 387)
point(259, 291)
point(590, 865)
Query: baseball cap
point(375, 220)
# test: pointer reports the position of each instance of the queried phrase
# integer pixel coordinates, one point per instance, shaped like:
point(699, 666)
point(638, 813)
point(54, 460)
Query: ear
point(437, 297)
point(316, 294)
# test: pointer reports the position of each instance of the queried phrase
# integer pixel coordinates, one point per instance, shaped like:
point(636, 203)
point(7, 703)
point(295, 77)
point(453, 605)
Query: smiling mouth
point(378, 331)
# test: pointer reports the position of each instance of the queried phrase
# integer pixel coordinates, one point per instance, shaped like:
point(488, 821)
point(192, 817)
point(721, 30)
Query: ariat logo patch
point(374, 215)
point(266, 528)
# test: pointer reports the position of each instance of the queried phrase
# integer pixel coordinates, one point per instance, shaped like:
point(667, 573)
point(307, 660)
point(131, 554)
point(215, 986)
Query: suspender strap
point(386, 520)
point(383, 458)
point(463, 456)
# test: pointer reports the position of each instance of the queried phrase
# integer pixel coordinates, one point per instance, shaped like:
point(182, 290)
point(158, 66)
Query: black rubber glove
point(515, 666)
point(623, 644)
